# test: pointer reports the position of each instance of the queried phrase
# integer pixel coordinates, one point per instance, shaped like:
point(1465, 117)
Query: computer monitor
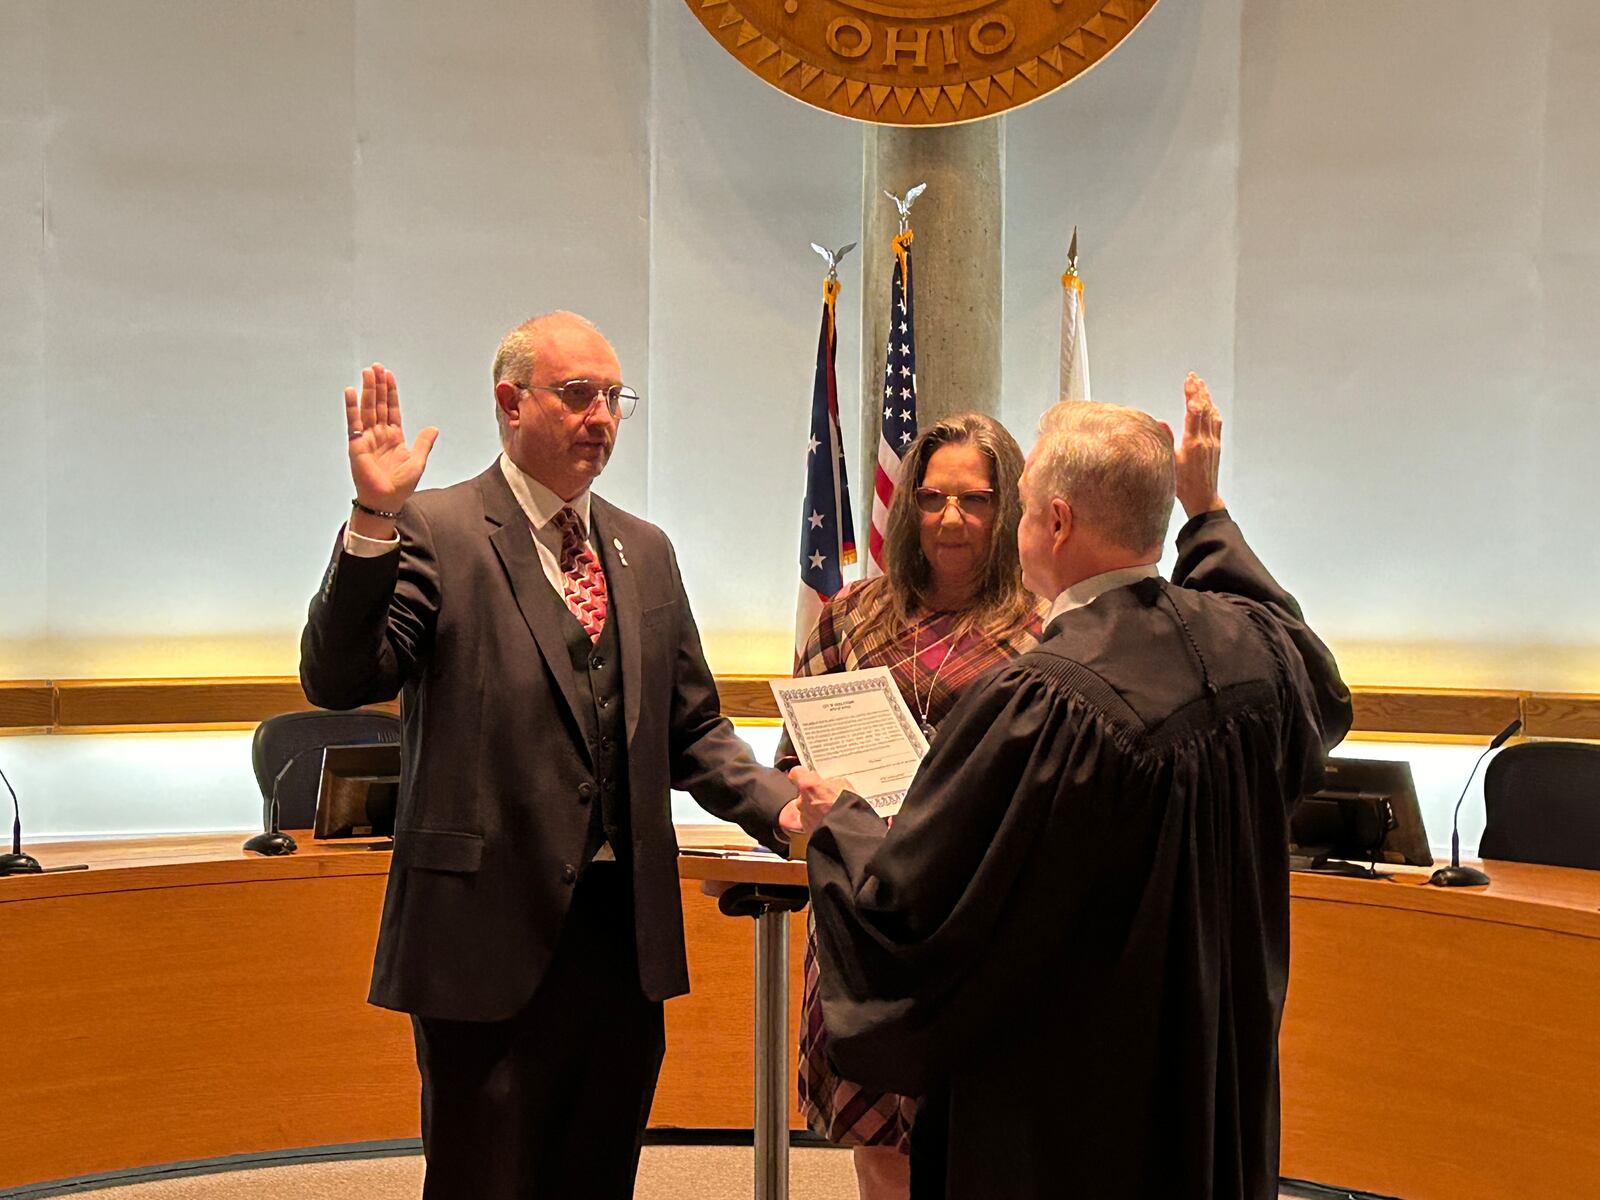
point(359, 791)
point(1365, 812)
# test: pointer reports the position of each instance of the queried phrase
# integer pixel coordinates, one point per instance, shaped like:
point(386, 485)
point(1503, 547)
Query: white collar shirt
point(1087, 591)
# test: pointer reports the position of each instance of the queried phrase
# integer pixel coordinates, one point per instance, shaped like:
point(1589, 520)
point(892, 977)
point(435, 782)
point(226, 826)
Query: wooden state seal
point(919, 62)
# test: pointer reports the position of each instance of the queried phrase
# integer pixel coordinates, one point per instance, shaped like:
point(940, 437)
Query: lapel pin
point(621, 557)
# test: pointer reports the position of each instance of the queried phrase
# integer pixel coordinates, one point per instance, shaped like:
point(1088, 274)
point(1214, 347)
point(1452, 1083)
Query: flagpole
point(1074, 332)
point(897, 394)
point(827, 526)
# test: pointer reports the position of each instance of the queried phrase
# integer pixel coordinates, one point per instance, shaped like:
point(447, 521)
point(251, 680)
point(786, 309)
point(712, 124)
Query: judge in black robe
point(1077, 930)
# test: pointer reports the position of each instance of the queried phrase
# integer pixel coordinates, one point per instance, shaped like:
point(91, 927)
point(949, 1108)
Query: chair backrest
point(1542, 800)
point(295, 738)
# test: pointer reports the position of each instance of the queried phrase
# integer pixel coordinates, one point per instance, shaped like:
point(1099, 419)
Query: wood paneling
point(115, 705)
point(1437, 1043)
point(168, 1011)
point(1434, 711)
point(1557, 715)
point(86, 705)
point(26, 705)
point(747, 697)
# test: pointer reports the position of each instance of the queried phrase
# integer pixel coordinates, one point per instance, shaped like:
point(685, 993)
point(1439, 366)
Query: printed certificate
point(854, 725)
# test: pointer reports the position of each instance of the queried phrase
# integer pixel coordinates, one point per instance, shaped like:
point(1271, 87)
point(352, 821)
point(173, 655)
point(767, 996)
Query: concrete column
point(956, 272)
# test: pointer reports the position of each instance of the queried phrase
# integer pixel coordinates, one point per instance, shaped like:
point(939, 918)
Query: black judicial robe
point(1080, 919)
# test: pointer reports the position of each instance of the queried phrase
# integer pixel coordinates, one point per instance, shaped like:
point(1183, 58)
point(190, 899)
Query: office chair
point(1543, 805)
point(295, 738)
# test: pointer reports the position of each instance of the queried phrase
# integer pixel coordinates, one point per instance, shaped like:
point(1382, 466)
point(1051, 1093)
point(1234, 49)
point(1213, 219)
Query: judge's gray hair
point(514, 359)
point(1113, 465)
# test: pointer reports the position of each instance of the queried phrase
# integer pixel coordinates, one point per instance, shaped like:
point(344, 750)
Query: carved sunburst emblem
point(919, 62)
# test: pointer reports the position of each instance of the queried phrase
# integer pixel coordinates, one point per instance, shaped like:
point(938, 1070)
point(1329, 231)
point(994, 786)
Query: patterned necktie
point(583, 583)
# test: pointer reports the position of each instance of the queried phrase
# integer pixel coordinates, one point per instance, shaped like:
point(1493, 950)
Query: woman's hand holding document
point(851, 727)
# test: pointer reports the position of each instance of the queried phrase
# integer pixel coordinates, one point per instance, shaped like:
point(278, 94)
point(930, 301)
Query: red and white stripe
point(884, 480)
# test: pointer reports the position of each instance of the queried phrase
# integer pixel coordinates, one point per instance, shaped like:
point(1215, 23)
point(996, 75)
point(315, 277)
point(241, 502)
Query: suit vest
point(597, 670)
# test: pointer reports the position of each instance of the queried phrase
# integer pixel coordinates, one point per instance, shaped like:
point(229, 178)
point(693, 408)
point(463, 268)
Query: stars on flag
point(827, 530)
point(899, 428)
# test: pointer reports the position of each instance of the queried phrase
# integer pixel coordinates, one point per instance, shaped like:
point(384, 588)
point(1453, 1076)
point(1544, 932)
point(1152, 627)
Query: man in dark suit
point(553, 692)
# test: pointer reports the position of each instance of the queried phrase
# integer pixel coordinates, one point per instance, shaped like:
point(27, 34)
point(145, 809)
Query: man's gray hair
point(1113, 465)
point(514, 359)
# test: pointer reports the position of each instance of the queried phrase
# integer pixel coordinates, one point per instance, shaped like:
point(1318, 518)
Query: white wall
point(1415, 342)
point(745, 180)
point(219, 215)
point(97, 785)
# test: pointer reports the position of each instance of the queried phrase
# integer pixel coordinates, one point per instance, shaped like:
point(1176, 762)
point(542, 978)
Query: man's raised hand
point(1198, 457)
point(383, 468)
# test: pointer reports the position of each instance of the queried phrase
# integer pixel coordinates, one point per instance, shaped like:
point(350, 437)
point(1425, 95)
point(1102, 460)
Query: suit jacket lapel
point(623, 598)
point(513, 543)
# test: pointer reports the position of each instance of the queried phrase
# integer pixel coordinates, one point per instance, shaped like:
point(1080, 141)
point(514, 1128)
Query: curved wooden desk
point(180, 1000)
point(183, 1001)
point(1442, 1042)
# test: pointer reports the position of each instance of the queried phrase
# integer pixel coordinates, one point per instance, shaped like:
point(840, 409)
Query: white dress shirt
point(1087, 591)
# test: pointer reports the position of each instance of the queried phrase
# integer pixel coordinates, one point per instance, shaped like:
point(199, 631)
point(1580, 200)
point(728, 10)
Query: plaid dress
point(844, 1112)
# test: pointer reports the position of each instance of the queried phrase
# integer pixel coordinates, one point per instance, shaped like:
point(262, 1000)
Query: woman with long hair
point(949, 606)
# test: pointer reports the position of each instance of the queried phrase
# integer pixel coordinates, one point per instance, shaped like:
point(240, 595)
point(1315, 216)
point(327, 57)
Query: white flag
point(1074, 333)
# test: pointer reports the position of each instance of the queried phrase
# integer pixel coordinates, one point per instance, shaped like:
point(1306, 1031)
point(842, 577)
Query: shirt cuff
point(365, 547)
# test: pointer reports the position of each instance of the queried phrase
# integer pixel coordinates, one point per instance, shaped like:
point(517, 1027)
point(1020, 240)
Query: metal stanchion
point(770, 905)
point(772, 1055)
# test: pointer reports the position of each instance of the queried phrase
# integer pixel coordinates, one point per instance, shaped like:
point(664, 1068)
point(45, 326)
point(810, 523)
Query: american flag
point(827, 531)
point(899, 398)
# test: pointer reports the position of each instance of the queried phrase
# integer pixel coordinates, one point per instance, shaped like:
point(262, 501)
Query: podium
point(768, 891)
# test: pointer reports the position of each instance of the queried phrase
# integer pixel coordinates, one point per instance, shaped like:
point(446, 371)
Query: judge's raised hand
point(817, 796)
point(383, 468)
point(1199, 455)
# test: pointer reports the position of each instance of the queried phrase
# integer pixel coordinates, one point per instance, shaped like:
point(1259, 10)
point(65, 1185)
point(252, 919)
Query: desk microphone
point(16, 863)
point(1455, 875)
point(274, 841)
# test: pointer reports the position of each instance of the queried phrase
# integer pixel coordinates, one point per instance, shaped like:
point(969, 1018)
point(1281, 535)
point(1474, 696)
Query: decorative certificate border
point(789, 692)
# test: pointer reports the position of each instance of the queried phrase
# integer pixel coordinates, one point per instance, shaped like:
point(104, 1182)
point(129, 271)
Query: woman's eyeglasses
point(975, 503)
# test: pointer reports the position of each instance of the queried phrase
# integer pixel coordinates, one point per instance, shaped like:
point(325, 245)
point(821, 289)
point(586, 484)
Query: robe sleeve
point(1214, 557)
point(918, 926)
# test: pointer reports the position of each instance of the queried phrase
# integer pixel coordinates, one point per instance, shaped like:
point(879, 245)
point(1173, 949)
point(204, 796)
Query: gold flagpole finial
point(1072, 253)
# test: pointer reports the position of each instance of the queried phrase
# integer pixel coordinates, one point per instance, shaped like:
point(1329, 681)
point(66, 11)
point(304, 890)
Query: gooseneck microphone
point(1455, 875)
point(16, 863)
point(274, 841)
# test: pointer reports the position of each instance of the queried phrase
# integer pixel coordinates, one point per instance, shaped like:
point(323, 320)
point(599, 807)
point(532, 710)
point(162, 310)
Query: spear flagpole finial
point(1072, 253)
